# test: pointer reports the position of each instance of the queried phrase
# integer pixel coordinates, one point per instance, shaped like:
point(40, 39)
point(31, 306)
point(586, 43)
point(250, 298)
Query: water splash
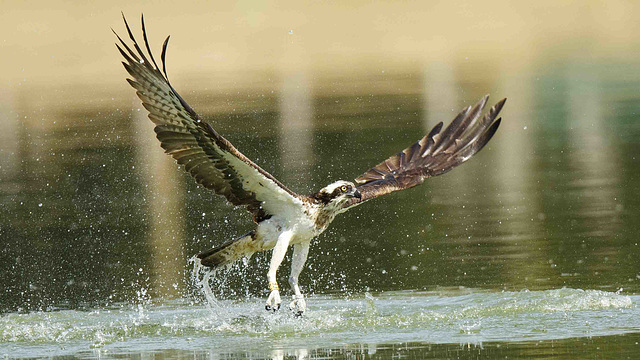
point(474, 317)
point(200, 277)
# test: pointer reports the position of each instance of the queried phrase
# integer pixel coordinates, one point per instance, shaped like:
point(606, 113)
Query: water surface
point(413, 322)
point(528, 250)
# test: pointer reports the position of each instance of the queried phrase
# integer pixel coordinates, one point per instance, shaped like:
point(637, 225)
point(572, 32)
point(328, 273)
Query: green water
point(529, 249)
point(376, 321)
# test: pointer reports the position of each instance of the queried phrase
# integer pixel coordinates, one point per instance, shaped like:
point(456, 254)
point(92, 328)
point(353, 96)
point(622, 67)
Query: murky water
point(531, 248)
point(334, 323)
point(528, 250)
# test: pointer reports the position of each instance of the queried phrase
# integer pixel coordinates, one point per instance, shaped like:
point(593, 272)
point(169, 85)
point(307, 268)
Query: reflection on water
point(94, 217)
point(163, 195)
point(296, 128)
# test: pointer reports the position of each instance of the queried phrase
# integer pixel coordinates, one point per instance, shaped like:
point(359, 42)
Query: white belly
point(269, 230)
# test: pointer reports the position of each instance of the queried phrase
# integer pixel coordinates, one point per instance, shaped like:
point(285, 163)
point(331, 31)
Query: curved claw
point(273, 302)
point(298, 305)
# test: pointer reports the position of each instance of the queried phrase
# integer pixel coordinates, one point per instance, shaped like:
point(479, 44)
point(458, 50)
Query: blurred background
point(92, 211)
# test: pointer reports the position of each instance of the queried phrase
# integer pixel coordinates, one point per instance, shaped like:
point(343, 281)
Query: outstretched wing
point(212, 160)
point(434, 154)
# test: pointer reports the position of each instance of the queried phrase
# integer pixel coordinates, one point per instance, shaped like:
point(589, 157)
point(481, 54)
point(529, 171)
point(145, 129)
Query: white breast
point(302, 224)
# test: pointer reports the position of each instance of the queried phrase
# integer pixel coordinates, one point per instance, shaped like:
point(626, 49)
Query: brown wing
point(434, 154)
point(212, 160)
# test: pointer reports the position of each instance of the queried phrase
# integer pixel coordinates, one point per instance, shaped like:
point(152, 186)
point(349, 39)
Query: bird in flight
point(284, 218)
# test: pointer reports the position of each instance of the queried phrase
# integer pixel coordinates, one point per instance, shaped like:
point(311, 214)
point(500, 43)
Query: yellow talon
point(273, 286)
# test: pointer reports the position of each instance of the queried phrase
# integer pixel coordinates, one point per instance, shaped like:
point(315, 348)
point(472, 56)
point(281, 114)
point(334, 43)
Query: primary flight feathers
point(217, 165)
point(212, 160)
point(434, 154)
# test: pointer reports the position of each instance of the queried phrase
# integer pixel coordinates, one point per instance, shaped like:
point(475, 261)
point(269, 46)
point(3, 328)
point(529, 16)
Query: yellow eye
point(343, 188)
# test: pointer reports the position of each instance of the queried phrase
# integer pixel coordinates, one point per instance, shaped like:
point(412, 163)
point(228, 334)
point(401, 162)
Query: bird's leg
point(273, 302)
point(300, 252)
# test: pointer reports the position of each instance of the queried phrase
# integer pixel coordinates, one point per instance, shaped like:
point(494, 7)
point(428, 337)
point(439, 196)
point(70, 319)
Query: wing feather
point(210, 158)
point(435, 154)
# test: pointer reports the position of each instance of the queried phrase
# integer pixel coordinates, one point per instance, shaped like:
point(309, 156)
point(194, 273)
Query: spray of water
point(200, 278)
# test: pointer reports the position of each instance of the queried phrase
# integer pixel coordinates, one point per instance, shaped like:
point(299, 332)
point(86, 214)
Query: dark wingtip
point(436, 129)
point(124, 18)
point(164, 55)
point(484, 100)
point(146, 42)
point(498, 106)
point(489, 134)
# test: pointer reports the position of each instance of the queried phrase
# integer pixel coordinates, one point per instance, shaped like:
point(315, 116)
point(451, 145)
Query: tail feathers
point(229, 252)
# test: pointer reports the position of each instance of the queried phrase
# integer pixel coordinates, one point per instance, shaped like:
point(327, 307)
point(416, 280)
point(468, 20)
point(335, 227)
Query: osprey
point(283, 217)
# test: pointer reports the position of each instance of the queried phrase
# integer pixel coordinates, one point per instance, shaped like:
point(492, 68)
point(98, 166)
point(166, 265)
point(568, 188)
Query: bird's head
point(337, 193)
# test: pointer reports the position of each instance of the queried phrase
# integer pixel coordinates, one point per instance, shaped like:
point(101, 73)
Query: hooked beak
point(357, 194)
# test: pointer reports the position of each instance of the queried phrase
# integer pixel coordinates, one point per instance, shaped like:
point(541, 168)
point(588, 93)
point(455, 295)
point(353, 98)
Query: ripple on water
point(403, 316)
